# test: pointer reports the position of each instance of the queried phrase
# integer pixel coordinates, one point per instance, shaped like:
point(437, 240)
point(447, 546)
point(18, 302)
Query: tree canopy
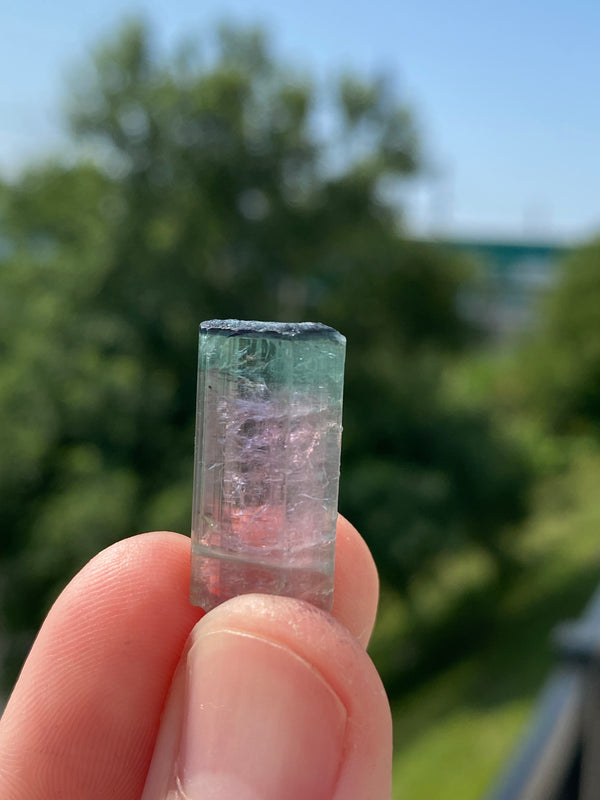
point(564, 359)
point(201, 185)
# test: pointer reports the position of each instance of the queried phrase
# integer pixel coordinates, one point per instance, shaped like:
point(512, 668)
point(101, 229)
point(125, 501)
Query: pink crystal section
point(268, 437)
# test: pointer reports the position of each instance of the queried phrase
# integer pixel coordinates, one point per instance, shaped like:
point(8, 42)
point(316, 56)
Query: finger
point(275, 700)
point(356, 591)
point(84, 715)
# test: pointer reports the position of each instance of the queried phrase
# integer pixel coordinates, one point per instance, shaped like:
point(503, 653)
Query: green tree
point(202, 185)
point(565, 357)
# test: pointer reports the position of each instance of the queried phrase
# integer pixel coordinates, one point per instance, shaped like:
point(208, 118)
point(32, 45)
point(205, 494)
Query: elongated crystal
point(268, 437)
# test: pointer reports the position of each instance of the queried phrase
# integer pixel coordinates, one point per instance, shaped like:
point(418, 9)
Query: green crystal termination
point(268, 438)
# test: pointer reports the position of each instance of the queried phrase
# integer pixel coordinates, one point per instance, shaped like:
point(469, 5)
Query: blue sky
point(505, 93)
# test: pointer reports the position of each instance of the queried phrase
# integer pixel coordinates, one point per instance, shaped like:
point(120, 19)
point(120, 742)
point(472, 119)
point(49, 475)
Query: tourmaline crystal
point(268, 436)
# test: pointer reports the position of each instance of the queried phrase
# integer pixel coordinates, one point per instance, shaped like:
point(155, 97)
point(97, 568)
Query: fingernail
point(259, 723)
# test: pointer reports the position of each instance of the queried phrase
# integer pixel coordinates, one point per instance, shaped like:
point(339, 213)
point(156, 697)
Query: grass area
point(455, 729)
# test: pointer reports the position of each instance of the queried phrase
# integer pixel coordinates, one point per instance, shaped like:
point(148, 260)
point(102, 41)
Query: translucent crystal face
point(267, 460)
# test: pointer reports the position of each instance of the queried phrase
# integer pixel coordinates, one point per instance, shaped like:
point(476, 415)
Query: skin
point(127, 686)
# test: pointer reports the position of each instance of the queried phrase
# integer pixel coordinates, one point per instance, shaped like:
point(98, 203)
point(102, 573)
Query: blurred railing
point(559, 757)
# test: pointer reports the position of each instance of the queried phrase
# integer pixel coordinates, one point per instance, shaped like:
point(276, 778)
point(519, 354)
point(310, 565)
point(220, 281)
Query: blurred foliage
point(563, 363)
point(202, 186)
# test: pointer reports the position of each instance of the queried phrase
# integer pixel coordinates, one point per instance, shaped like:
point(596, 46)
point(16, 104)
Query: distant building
point(513, 276)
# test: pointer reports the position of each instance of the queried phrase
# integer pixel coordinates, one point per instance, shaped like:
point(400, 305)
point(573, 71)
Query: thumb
point(272, 700)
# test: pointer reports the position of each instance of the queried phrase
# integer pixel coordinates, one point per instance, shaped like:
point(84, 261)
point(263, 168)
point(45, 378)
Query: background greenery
point(201, 184)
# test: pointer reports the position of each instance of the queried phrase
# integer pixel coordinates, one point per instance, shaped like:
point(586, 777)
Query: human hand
point(272, 699)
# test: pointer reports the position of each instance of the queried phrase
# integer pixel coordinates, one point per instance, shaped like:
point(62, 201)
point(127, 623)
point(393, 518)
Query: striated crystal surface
point(268, 437)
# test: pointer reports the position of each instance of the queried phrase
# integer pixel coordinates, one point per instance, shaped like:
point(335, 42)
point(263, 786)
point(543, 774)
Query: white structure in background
point(512, 279)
